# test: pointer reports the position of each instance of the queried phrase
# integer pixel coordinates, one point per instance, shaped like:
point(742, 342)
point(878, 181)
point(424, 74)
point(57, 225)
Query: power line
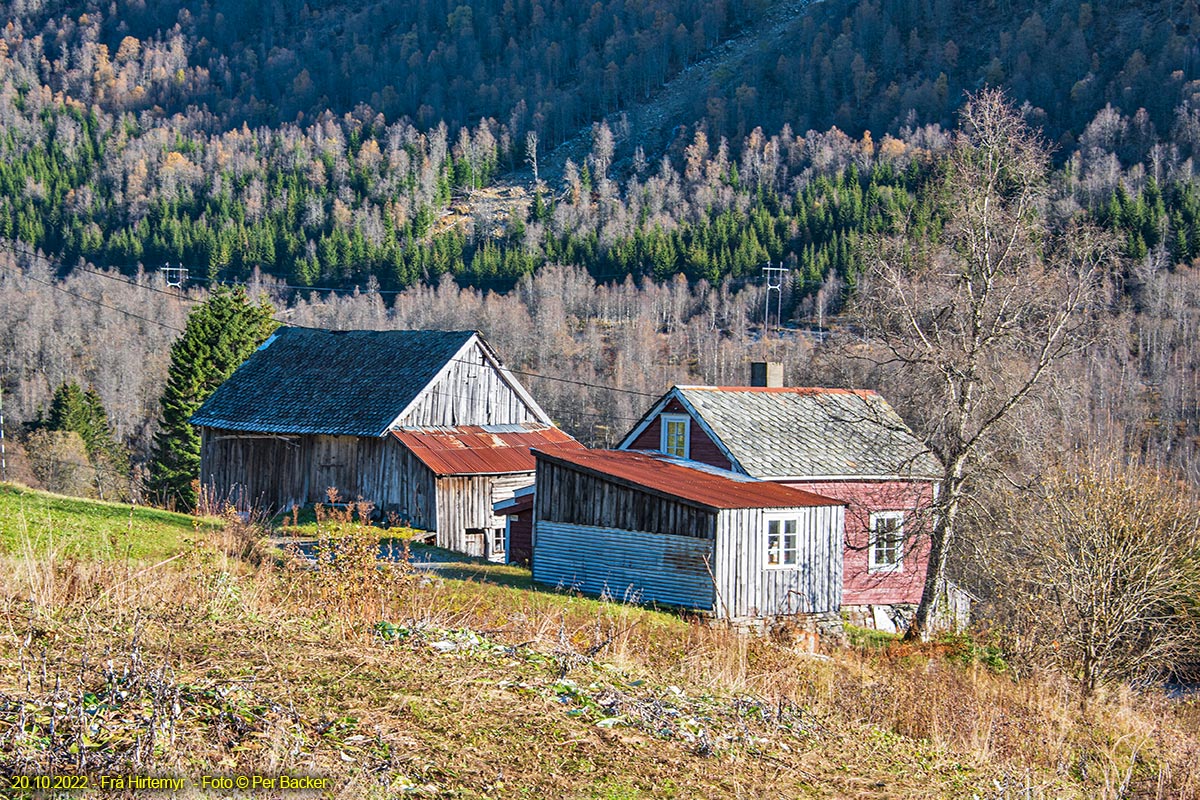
point(514, 371)
point(100, 303)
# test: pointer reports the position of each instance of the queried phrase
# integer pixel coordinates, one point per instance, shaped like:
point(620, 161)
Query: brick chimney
point(766, 373)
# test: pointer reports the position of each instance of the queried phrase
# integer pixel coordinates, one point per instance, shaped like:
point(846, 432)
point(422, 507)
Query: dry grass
point(408, 683)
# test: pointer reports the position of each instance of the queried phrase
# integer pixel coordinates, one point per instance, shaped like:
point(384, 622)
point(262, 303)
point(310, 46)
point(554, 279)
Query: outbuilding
point(427, 426)
point(651, 528)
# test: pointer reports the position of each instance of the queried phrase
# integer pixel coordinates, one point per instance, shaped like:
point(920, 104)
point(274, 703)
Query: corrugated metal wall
point(747, 587)
point(625, 565)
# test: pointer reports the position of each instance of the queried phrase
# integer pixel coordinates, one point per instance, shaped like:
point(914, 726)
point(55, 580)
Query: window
point(675, 429)
point(783, 543)
point(886, 545)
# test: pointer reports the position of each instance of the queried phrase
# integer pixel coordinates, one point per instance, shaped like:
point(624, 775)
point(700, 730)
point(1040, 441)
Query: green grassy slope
point(33, 522)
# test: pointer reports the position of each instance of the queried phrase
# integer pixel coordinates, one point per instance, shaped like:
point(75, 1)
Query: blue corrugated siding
point(625, 565)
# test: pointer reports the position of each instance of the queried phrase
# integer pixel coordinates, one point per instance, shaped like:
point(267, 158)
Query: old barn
point(650, 528)
point(426, 425)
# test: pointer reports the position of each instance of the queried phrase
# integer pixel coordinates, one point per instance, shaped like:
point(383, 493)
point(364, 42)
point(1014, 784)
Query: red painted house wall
point(700, 447)
point(860, 586)
point(520, 538)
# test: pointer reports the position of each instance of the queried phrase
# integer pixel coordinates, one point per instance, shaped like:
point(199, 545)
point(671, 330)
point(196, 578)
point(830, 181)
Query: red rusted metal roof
point(687, 480)
point(482, 449)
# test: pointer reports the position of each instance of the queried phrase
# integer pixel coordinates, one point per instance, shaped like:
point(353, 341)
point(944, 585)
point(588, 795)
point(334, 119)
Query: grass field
point(403, 682)
point(39, 522)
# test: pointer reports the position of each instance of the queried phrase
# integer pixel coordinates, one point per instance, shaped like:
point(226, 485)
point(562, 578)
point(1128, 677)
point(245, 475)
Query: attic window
point(675, 435)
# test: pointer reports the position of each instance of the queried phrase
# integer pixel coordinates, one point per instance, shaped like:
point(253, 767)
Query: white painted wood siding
point(747, 587)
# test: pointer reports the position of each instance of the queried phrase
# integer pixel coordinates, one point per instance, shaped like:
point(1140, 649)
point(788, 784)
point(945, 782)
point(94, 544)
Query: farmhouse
point(846, 444)
point(427, 425)
point(653, 528)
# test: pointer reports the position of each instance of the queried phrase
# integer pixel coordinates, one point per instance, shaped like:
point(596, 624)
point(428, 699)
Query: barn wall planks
point(582, 498)
point(634, 566)
point(470, 392)
point(465, 502)
point(277, 472)
point(597, 535)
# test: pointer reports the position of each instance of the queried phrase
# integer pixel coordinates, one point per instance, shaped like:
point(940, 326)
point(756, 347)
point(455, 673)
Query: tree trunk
point(939, 550)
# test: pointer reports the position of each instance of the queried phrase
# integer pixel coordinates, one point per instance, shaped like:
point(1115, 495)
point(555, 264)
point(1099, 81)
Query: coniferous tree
point(74, 410)
point(220, 334)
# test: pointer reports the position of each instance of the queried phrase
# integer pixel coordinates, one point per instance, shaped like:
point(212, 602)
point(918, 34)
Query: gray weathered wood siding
point(466, 502)
point(581, 498)
point(398, 482)
point(747, 587)
point(277, 472)
point(602, 536)
point(469, 392)
point(632, 566)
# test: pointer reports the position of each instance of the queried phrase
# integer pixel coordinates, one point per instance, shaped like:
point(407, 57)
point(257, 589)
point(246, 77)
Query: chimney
point(766, 374)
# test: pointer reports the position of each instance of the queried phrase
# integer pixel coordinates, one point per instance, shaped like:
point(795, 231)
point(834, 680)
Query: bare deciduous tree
point(962, 331)
point(1108, 581)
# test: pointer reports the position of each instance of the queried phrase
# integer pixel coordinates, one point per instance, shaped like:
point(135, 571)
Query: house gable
point(703, 444)
point(471, 388)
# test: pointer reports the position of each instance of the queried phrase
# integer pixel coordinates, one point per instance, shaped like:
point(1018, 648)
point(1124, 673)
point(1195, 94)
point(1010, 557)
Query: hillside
point(415, 683)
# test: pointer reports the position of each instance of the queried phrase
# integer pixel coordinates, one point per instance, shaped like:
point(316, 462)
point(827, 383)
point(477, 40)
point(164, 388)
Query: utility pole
point(175, 277)
point(3, 455)
point(775, 277)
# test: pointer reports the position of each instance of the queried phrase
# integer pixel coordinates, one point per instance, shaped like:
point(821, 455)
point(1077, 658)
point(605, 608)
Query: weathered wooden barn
point(426, 425)
point(840, 443)
point(645, 527)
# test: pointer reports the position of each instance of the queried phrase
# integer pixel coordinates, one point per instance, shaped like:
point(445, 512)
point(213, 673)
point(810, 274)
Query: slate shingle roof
point(307, 381)
point(795, 432)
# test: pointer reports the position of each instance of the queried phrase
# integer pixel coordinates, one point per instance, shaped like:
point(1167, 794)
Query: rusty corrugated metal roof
point(687, 480)
point(481, 449)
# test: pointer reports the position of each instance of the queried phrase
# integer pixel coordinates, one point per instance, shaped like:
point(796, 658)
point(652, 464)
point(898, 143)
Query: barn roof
point(803, 433)
point(691, 481)
point(481, 449)
point(309, 381)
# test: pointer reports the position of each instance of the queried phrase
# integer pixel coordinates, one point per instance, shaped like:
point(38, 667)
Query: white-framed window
point(676, 430)
point(783, 542)
point(885, 548)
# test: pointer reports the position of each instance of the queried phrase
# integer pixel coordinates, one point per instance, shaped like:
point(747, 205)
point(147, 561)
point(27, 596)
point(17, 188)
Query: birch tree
point(965, 330)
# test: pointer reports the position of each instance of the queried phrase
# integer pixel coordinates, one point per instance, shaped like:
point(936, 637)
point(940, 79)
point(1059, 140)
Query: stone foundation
point(803, 632)
point(890, 618)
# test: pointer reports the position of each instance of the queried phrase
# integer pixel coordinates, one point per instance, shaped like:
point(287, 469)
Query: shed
point(651, 528)
point(426, 425)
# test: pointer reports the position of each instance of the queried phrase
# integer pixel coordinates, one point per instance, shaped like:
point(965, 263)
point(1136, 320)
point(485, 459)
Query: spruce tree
point(73, 409)
point(220, 334)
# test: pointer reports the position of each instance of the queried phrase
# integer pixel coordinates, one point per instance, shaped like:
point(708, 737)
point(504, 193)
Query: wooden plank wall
point(633, 566)
point(397, 482)
point(747, 587)
point(471, 392)
point(580, 498)
point(275, 473)
point(466, 502)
